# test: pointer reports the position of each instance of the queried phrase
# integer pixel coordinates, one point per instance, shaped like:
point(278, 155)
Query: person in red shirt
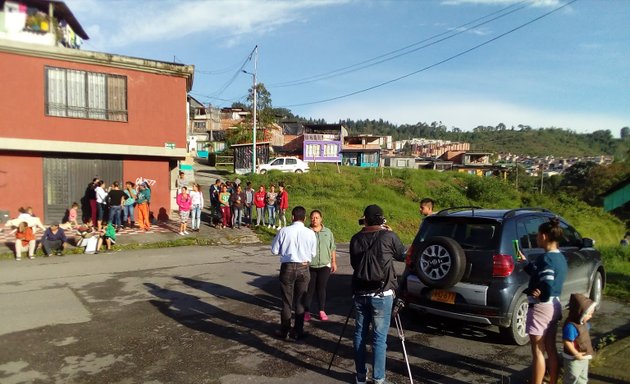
point(24, 237)
point(259, 201)
point(283, 198)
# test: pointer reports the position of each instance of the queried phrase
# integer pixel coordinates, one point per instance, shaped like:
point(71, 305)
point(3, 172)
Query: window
point(199, 124)
point(291, 162)
point(312, 150)
point(527, 231)
point(331, 150)
point(91, 95)
point(370, 158)
point(278, 162)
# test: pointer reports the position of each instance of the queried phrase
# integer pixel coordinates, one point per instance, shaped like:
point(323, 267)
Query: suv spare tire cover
point(440, 262)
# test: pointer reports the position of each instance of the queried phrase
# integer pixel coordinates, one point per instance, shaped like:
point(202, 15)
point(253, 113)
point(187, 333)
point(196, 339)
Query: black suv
point(462, 264)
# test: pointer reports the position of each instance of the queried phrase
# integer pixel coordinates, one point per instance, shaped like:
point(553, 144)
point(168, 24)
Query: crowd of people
point(232, 206)
point(106, 210)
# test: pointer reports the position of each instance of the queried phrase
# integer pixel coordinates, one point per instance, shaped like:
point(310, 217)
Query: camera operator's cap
point(372, 212)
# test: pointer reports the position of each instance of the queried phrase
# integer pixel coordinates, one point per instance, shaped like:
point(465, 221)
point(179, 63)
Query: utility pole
point(541, 177)
point(255, 55)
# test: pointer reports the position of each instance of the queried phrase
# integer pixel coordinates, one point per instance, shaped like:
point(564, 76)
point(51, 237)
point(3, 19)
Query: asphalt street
point(208, 315)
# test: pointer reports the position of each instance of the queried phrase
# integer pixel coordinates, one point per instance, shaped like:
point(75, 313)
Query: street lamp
point(255, 52)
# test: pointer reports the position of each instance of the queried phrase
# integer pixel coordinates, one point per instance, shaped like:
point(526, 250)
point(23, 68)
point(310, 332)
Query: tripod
point(398, 305)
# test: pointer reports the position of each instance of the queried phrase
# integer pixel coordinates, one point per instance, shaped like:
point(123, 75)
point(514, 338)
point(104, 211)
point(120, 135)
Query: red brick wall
point(21, 183)
point(156, 105)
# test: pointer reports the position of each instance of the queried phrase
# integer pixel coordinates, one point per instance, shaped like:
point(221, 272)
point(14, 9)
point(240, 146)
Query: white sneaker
point(186, 233)
point(268, 225)
point(181, 233)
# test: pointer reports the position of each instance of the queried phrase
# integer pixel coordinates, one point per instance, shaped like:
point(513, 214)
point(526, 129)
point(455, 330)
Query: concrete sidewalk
point(612, 364)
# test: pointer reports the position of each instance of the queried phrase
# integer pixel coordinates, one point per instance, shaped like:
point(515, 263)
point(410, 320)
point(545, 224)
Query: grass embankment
point(342, 197)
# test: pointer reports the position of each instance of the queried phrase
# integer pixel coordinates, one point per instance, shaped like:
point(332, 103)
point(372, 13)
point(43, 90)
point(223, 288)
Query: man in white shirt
point(296, 246)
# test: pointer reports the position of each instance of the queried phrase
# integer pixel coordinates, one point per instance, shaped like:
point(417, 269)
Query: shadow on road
point(249, 330)
point(436, 365)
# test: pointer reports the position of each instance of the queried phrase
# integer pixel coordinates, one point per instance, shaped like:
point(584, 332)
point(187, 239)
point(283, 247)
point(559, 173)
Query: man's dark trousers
point(294, 278)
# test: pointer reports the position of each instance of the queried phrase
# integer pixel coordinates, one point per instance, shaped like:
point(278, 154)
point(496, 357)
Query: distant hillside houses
point(331, 143)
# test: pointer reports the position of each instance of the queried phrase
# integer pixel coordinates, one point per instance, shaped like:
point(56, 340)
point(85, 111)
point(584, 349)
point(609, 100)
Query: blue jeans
point(195, 214)
point(128, 213)
point(114, 215)
point(272, 215)
point(260, 215)
point(238, 216)
point(378, 311)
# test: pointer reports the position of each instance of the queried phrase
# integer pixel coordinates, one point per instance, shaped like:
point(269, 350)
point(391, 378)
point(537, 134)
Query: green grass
point(342, 197)
point(617, 264)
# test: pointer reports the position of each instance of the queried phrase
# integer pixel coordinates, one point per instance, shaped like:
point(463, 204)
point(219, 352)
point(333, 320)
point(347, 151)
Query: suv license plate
point(443, 296)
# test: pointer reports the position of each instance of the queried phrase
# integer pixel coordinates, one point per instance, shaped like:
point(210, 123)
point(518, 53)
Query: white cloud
point(536, 3)
point(462, 113)
point(125, 23)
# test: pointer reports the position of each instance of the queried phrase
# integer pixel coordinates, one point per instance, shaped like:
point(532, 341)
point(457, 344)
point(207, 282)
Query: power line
point(435, 64)
point(373, 61)
point(233, 78)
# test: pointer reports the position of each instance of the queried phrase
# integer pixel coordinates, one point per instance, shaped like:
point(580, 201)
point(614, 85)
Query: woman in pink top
point(184, 202)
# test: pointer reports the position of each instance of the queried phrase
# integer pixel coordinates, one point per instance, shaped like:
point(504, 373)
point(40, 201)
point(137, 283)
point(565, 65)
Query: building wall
point(321, 157)
point(156, 106)
point(21, 183)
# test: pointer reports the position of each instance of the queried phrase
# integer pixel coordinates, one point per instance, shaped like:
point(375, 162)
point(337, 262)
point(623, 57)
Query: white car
point(284, 164)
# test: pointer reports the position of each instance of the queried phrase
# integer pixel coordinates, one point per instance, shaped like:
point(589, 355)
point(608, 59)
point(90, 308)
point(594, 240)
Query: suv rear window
point(469, 233)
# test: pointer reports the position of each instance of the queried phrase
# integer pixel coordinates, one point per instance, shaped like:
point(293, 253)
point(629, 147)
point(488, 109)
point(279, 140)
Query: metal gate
point(65, 181)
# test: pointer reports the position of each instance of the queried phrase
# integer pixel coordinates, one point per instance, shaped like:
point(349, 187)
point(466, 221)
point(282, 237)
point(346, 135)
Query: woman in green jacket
point(323, 264)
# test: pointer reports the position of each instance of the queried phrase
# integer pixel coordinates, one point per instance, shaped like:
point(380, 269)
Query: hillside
point(342, 197)
point(522, 140)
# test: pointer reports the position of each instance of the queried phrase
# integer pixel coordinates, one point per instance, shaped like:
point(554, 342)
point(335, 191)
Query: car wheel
point(263, 171)
point(515, 333)
point(441, 262)
point(298, 171)
point(596, 289)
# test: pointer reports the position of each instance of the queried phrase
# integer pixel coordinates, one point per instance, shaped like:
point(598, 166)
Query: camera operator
point(373, 286)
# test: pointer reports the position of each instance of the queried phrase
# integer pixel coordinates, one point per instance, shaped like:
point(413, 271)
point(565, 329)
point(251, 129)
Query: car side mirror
point(587, 243)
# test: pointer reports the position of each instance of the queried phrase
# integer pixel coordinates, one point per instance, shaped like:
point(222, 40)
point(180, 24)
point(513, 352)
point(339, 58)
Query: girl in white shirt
point(196, 206)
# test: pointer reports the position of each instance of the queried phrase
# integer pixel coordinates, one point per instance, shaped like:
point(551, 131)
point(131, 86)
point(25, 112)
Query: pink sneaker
point(307, 316)
point(323, 316)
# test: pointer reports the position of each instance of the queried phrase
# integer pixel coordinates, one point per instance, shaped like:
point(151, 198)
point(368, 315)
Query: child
point(109, 237)
point(87, 238)
point(578, 349)
point(547, 275)
point(72, 217)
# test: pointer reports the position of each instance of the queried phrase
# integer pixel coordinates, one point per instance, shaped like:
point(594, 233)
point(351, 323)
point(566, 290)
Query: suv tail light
point(408, 256)
point(502, 265)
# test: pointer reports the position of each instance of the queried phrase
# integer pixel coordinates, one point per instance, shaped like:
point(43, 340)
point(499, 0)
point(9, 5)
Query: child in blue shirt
point(576, 340)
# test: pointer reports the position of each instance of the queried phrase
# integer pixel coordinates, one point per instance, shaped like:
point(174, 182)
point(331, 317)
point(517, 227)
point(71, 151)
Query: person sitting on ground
point(26, 214)
point(71, 219)
point(108, 237)
point(87, 237)
point(54, 239)
point(24, 236)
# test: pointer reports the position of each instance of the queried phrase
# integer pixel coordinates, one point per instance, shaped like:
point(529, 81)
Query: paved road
point(207, 315)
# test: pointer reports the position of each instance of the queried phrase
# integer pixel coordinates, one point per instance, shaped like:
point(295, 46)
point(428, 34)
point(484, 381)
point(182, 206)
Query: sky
point(464, 63)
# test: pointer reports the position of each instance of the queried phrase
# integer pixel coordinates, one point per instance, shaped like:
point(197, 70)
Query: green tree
point(264, 110)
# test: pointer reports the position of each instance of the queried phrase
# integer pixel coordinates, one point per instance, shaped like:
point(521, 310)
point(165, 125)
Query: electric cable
point(233, 78)
point(365, 64)
point(434, 64)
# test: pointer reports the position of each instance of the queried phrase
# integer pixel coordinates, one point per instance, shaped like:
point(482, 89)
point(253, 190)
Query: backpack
point(372, 275)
